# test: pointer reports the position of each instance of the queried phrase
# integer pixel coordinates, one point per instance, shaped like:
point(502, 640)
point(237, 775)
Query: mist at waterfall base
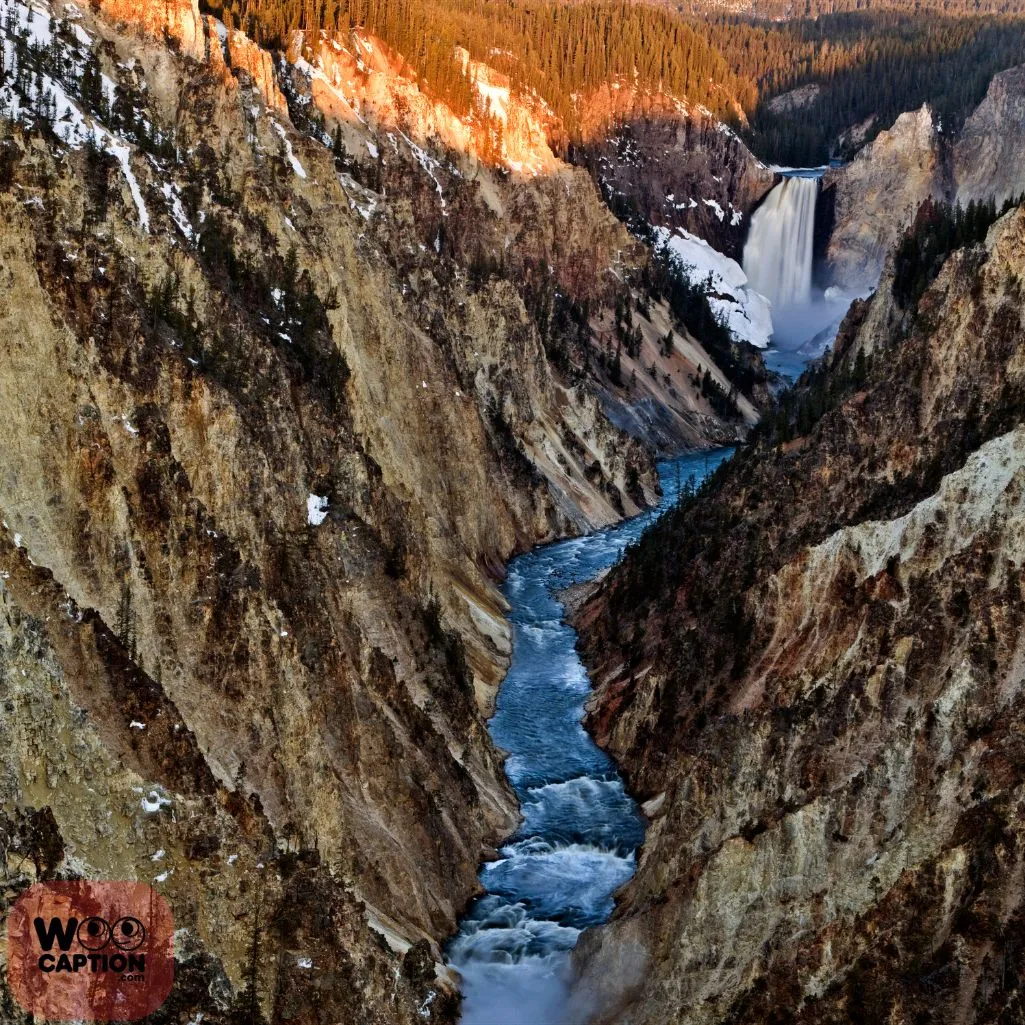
point(779, 261)
point(580, 830)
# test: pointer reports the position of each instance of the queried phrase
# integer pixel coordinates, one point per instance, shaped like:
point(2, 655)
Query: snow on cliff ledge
point(747, 313)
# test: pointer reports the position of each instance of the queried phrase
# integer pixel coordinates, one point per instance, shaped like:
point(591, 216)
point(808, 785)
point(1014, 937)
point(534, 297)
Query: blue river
point(578, 840)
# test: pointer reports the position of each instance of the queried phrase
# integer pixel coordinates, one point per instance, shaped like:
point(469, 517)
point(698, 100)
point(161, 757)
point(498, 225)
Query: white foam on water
point(576, 845)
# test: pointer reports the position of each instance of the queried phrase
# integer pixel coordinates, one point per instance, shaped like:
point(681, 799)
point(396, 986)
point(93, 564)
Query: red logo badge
point(90, 951)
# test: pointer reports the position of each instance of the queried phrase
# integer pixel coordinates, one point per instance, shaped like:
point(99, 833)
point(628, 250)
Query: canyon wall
point(811, 676)
point(987, 158)
point(270, 434)
point(875, 197)
point(667, 164)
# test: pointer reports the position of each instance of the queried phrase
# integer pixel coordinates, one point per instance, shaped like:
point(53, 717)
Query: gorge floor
point(580, 831)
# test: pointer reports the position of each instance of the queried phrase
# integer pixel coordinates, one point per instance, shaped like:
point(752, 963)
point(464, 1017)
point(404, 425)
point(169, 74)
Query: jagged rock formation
point(812, 676)
point(204, 39)
point(988, 153)
point(875, 197)
point(666, 164)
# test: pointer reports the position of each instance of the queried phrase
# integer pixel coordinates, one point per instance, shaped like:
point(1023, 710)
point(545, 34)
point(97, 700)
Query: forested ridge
point(552, 49)
point(866, 65)
point(869, 64)
point(789, 10)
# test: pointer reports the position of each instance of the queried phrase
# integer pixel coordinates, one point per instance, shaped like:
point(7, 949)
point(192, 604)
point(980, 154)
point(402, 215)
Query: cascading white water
point(581, 829)
point(778, 253)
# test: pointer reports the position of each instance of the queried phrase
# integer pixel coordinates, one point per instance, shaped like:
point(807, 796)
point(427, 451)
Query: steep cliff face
point(875, 197)
point(353, 92)
point(358, 82)
point(270, 434)
point(203, 39)
point(666, 164)
point(988, 152)
point(658, 392)
point(175, 20)
point(811, 675)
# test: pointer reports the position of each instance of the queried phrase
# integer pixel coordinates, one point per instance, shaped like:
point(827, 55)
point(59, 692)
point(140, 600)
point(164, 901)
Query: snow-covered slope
point(744, 311)
point(31, 41)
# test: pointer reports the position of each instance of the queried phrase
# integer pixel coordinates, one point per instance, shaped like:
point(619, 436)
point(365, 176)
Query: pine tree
point(616, 371)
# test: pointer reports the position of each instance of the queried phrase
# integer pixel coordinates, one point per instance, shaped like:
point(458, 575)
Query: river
point(578, 840)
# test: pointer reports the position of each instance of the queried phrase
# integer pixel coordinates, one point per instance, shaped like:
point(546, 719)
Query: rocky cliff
point(274, 418)
point(875, 197)
point(353, 92)
point(811, 675)
point(988, 152)
point(666, 164)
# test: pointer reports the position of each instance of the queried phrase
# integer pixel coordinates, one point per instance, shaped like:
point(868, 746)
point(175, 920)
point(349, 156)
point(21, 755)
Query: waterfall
point(778, 253)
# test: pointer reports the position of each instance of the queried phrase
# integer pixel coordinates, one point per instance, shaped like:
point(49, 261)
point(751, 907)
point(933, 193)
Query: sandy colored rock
point(820, 702)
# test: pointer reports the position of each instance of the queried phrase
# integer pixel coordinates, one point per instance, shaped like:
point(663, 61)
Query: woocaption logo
point(90, 951)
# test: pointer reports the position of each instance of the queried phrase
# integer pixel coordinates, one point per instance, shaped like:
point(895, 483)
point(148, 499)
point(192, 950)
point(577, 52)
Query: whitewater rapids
point(580, 832)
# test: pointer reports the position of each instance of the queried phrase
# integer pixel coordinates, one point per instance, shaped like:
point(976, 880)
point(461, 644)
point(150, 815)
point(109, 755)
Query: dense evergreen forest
point(550, 48)
point(789, 10)
point(866, 65)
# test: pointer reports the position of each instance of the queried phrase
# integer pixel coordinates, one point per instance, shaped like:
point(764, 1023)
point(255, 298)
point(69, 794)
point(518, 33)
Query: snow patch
point(316, 510)
point(298, 168)
point(154, 801)
point(174, 205)
point(744, 311)
point(718, 210)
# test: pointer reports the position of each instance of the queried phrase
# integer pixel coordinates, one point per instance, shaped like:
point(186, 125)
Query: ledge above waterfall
point(744, 311)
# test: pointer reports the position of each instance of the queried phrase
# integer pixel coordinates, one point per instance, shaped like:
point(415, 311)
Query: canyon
point(309, 376)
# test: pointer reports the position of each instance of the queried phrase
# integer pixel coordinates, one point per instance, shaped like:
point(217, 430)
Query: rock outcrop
point(204, 39)
point(812, 677)
point(875, 197)
point(358, 82)
point(245, 56)
point(178, 21)
point(987, 159)
point(665, 164)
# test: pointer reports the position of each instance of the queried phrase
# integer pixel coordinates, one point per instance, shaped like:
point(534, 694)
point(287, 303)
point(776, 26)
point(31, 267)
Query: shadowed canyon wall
point(812, 676)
